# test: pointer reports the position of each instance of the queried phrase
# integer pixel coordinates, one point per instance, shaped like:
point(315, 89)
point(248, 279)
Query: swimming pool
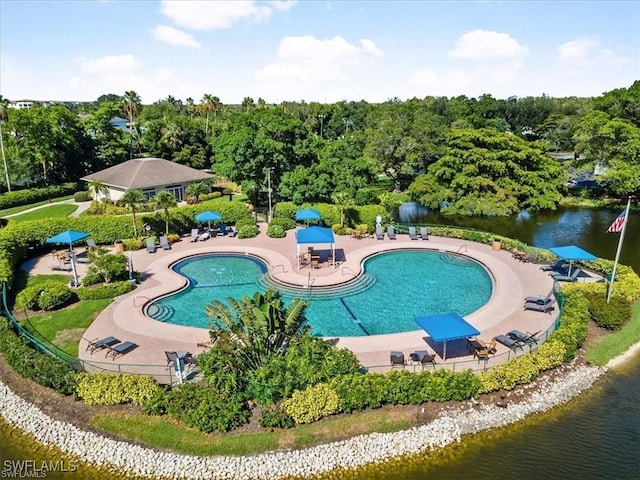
point(395, 288)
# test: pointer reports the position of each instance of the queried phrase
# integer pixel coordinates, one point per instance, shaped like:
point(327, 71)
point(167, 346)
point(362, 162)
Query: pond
point(584, 227)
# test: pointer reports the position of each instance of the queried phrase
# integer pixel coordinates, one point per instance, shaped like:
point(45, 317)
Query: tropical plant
point(132, 198)
point(165, 200)
point(132, 103)
point(210, 103)
point(196, 190)
point(343, 201)
point(3, 118)
point(98, 189)
point(251, 329)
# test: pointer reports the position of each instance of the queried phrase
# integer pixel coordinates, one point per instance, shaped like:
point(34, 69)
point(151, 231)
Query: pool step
point(360, 284)
point(160, 312)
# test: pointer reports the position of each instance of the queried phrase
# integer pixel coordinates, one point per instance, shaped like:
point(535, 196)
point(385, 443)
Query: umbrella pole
point(445, 351)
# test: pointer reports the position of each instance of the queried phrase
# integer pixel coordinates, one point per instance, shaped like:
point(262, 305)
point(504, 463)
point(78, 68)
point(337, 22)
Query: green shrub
point(275, 416)
point(368, 195)
point(17, 198)
point(276, 231)
point(285, 223)
point(312, 404)
point(111, 290)
point(247, 231)
point(157, 404)
point(80, 196)
point(201, 407)
point(115, 388)
point(610, 315)
point(44, 296)
point(106, 267)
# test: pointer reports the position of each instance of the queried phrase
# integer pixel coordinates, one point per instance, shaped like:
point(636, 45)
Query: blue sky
point(323, 51)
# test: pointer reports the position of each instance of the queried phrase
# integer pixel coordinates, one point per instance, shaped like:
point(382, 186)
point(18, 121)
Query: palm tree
point(3, 118)
point(196, 190)
point(210, 103)
point(248, 103)
point(343, 201)
point(165, 200)
point(132, 104)
point(132, 198)
point(255, 327)
point(98, 188)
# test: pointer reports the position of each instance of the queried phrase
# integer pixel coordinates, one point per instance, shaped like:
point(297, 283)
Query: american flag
point(618, 223)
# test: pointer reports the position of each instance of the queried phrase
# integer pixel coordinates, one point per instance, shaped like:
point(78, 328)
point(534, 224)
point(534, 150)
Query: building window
point(177, 191)
point(148, 194)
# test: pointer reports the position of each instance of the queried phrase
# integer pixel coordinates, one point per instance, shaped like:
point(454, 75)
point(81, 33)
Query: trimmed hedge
point(44, 296)
point(111, 290)
point(115, 388)
point(312, 404)
point(18, 198)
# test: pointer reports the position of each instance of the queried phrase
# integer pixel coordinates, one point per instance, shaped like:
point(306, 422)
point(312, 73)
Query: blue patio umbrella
point(307, 214)
point(70, 237)
point(571, 253)
point(448, 326)
point(208, 217)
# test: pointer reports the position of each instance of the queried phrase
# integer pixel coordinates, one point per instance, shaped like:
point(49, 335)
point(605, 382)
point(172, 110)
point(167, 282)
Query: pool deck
point(125, 320)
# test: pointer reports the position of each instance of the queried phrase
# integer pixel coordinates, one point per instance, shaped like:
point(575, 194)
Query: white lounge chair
point(194, 235)
point(204, 236)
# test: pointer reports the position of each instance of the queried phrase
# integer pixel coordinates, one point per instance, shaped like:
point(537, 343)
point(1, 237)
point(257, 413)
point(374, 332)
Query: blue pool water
point(395, 288)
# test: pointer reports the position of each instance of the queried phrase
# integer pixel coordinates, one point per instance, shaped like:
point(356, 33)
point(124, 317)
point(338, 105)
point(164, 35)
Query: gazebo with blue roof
point(448, 326)
point(315, 235)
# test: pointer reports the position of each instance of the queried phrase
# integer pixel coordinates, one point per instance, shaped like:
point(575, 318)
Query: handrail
point(139, 296)
point(310, 282)
point(349, 271)
point(273, 270)
point(464, 245)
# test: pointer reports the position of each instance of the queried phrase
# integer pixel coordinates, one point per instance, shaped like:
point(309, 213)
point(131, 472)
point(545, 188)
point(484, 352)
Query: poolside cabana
point(315, 236)
point(572, 253)
point(448, 326)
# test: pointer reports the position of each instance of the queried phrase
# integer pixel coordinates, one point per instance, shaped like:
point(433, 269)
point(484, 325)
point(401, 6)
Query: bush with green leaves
point(275, 416)
point(82, 196)
point(17, 198)
point(115, 388)
point(106, 267)
point(610, 315)
point(285, 223)
point(201, 407)
point(276, 231)
point(111, 290)
point(39, 367)
point(44, 296)
point(312, 404)
point(247, 231)
point(573, 327)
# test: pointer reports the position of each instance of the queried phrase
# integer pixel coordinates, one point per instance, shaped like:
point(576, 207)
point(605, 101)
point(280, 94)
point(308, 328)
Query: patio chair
point(120, 349)
point(194, 235)
point(172, 357)
point(423, 358)
point(204, 236)
point(222, 229)
point(101, 343)
point(555, 267)
point(539, 300)
point(391, 232)
point(151, 246)
point(164, 243)
point(507, 341)
point(231, 232)
point(62, 268)
point(545, 308)
point(524, 338)
point(567, 278)
point(397, 359)
point(424, 235)
point(379, 233)
point(412, 233)
point(482, 353)
point(91, 245)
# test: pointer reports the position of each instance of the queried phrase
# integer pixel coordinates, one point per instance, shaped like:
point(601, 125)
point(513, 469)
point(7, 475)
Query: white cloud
point(173, 36)
point(487, 45)
point(586, 52)
point(109, 64)
point(369, 47)
point(212, 15)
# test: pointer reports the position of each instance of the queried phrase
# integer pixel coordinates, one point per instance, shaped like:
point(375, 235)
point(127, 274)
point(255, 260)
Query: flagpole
point(615, 263)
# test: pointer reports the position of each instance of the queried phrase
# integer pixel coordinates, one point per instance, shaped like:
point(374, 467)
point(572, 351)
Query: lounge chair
point(423, 358)
point(91, 245)
point(524, 338)
point(164, 243)
point(539, 300)
point(397, 359)
point(62, 268)
point(204, 236)
point(508, 341)
point(412, 233)
point(231, 232)
point(194, 235)
point(391, 232)
point(101, 343)
point(151, 246)
point(379, 233)
point(424, 235)
point(482, 353)
point(172, 357)
point(556, 267)
point(545, 308)
point(120, 349)
point(222, 229)
point(567, 278)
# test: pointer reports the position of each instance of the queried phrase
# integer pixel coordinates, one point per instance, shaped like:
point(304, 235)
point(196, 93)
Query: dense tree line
point(468, 155)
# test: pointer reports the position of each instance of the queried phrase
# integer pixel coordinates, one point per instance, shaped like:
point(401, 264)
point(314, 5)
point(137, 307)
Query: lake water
point(596, 436)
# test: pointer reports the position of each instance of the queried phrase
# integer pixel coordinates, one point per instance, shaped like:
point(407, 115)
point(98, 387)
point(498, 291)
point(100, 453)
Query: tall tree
point(98, 188)
point(165, 200)
point(133, 198)
point(132, 104)
point(210, 104)
point(3, 118)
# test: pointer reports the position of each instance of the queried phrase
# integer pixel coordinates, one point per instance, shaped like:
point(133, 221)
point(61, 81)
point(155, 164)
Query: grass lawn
point(161, 433)
point(54, 211)
point(65, 327)
point(616, 343)
point(22, 208)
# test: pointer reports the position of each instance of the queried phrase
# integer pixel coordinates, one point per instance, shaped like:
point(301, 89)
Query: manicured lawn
point(22, 208)
point(54, 211)
point(616, 343)
point(65, 327)
point(159, 433)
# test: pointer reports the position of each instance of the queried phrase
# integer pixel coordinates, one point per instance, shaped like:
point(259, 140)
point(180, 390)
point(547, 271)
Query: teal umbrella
point(208, 217)
point(70, 237)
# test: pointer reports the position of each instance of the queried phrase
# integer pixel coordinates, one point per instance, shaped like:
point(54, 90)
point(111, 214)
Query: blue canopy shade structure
point(315, 235)
point(208, 217)
point(70, 237)
point(572, 253)
point(447, 326)
point(307, 214)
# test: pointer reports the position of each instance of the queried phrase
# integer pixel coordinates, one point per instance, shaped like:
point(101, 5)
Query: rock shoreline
point(352, 453)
